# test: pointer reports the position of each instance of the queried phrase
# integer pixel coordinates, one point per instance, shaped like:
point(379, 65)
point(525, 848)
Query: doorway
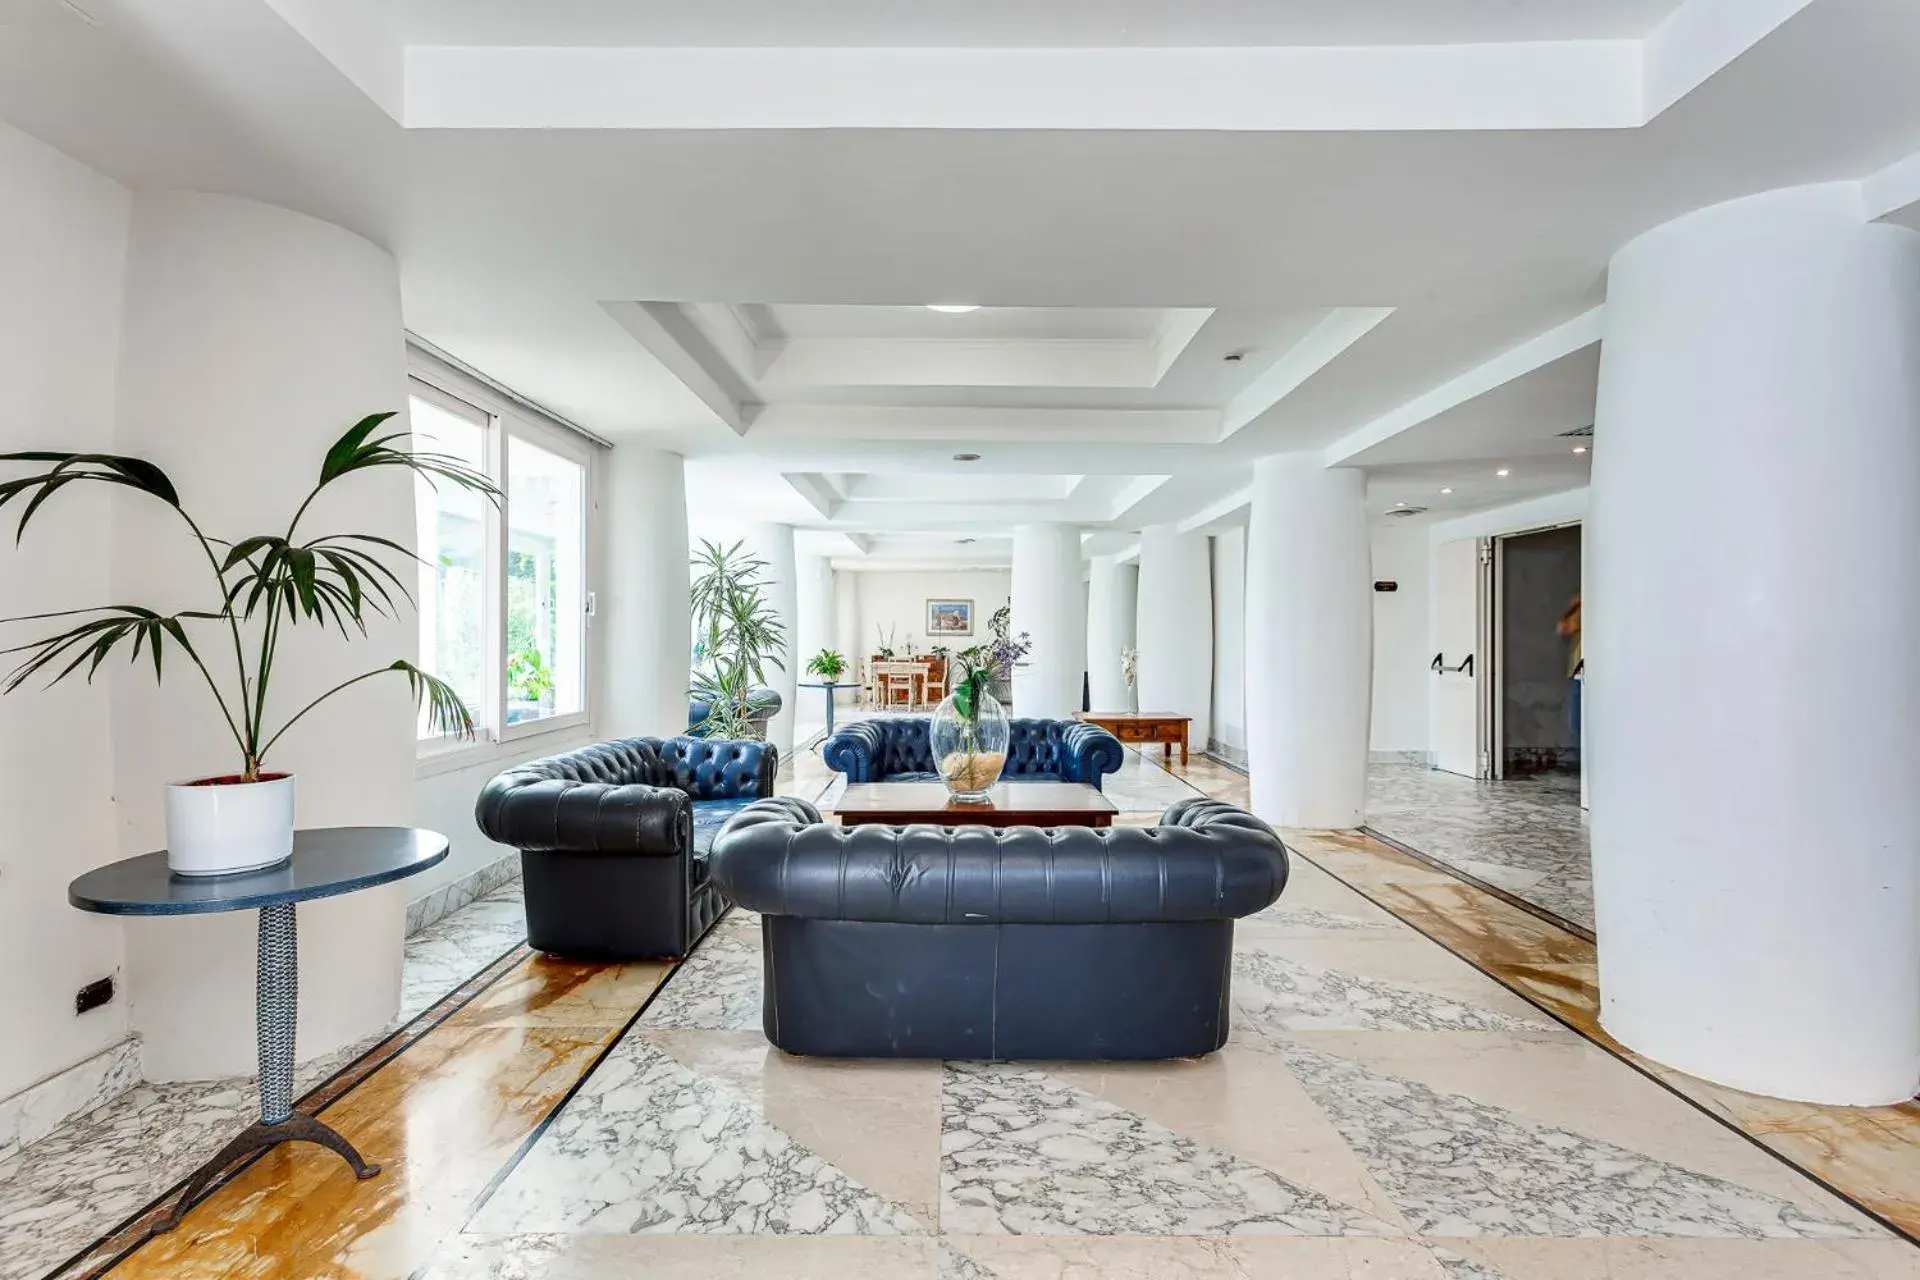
point(1537, 672)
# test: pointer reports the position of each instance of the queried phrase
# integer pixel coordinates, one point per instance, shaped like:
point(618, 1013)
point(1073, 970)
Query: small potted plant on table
point(243, 821)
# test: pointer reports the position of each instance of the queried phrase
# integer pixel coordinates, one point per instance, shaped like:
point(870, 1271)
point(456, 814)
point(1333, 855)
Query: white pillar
point(1176, 627)
point(644, 618)
point(773, 543)
point(1112, 601)
point(1309, 657)
point(813, 631)
point(252, 337)
point(1755, 552)
point(1047, 604)
point(846, 627)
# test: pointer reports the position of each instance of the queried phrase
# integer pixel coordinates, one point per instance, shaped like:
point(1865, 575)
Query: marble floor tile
point(1617, 1259)
point(1397, 961)
point(1026, 1154)
point(1561, 1081)
point(1457, 1167)
point(1220, 1258)
point(1272, 993)
point(648, 1146)
point(875, 1119)
point(1527, 836)
point(718, 986)
point(686, 1257)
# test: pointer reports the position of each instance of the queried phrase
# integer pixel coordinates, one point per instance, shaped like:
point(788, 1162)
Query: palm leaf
point(446, 713)
point(73, 468)
point(91, 642)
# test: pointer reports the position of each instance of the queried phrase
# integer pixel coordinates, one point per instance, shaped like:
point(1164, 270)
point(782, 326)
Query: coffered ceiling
point(716, 228)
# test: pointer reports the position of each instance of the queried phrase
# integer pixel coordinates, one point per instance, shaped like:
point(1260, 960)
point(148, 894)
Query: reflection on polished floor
point(1384, 1109)
point(1526, 836)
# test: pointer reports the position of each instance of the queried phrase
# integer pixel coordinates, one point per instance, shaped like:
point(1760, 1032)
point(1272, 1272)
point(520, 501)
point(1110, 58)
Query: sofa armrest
point(550, 814)
point(1088, 753)
point(853, 750)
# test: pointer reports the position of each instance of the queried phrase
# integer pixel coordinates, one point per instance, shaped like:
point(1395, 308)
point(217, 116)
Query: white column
point(1176, 627)
point(644, 620)
point(1112, 601)
point(773, 543)
point(813, 631)
point(1309, 658)
point(1754, 697)
point(1047, 604)
point(846, 627)
point(252, 337)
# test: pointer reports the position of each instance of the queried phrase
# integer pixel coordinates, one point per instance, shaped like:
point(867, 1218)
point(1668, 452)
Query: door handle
point(1439, 664)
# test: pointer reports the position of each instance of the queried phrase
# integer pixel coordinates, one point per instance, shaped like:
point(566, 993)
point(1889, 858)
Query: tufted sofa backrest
point(704, 768)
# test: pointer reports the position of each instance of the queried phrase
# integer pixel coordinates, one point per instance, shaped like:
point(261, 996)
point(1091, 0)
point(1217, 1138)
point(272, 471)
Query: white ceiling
point(1421, 302)
point(1000, 23)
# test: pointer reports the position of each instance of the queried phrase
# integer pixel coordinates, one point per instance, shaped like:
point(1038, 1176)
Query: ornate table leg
point(276, 1013)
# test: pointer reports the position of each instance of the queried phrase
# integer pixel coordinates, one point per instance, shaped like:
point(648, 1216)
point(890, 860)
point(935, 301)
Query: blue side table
point(829, 686)
point(326, 862)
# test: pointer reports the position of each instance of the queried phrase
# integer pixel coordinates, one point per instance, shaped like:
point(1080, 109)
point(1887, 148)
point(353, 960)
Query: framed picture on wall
point(949, 618)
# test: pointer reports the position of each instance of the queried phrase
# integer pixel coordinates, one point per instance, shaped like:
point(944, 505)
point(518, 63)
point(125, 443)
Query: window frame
point(501, 420)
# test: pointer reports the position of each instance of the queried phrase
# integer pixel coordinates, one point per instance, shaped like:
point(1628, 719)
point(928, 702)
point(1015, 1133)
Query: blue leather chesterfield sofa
point(974, 942)
point(900, 749)
point(614, 838)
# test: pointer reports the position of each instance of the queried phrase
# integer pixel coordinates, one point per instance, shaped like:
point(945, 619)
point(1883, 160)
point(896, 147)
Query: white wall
point(898, 599)
point(1230, 643)
point(1400, 641)
point(63, 239)
point(253, 336)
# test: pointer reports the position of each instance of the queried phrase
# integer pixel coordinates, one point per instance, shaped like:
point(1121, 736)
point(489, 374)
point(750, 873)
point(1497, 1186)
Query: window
point(503, 592)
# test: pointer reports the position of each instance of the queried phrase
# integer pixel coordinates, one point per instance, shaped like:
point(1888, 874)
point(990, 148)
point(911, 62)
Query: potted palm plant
point(740, 636)
point(261, 586)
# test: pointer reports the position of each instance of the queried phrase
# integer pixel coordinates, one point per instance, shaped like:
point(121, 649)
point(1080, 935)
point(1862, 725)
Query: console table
point(326, 862)
point(1012, 804)
point(1144, 726)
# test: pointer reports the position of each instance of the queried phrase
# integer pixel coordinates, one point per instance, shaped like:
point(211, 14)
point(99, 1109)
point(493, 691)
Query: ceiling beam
point(1320, 347)
point(814, 491)
point(1562, 340)
point(964, 425)
point(666, 333)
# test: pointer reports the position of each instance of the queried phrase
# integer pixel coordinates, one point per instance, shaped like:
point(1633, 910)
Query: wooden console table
point(1143, 726)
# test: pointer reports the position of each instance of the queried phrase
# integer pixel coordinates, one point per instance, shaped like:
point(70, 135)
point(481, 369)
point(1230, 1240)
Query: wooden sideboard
point(1144, 726)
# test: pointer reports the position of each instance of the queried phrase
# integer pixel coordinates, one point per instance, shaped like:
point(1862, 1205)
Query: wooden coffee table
point(1143, 726)
point(1014, 804)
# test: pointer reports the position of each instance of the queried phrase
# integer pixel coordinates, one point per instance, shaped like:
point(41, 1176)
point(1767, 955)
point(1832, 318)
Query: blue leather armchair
point(900, 749)
point(614, 838)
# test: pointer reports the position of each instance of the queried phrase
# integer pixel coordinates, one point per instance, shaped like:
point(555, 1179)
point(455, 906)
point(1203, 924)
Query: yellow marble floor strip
point(442, 1119)
point(1870, 1155)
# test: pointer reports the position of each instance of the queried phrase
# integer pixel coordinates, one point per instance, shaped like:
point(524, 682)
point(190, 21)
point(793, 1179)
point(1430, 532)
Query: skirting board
point(449, 898)
point(1235, 756)
point(39, 1109)
point(1422, 758)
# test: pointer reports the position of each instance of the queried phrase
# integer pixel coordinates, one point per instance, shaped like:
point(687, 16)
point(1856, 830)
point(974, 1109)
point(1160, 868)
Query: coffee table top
point(930, 801)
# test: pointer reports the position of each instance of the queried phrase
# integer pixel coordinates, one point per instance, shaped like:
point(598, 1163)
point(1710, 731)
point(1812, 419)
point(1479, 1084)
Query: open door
point(1462, 668)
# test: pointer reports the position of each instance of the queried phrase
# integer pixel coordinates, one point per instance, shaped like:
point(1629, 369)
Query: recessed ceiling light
point(1399, 504)
point(1501, 472)
point(966, 457)
point(953, 308)
point(1446, 491)
point(1579, 448)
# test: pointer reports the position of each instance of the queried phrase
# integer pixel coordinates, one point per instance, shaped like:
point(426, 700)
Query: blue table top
point(326, 862)
point(825, 684)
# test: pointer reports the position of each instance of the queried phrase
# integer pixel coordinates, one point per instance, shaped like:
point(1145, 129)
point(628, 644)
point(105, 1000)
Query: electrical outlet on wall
point(93, 995)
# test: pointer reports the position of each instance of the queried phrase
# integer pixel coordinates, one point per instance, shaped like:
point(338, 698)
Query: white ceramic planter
point(217, 828)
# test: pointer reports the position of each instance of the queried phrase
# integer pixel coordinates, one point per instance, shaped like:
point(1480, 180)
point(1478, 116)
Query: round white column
point(252, 338)
point(1047, 604)
point(1176, 627)
point(1309, 643)
point(1754, 698)
point(645, 622)
point(773, 543)
point(1113, 592)
point(813, 630)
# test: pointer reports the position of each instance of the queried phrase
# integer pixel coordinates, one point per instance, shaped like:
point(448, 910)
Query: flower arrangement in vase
point(1130, 672)
point(970, 735)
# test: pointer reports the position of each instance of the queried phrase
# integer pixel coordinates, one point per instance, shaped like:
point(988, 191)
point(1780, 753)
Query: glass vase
point(970, 751)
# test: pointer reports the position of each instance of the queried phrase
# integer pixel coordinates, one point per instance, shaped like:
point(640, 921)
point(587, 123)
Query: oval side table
point(326, 862)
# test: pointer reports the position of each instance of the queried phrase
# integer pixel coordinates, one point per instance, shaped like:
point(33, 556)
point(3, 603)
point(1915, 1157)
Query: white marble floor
point(1527, 836)
point(1382, 1110)
point(60, 1194)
